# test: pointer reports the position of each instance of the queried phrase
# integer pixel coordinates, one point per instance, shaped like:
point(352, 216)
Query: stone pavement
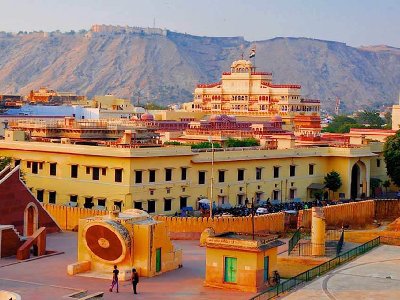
point(375, 275)
point(46, 278)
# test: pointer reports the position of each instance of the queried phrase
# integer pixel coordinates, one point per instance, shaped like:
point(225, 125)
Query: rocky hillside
point(165, 68)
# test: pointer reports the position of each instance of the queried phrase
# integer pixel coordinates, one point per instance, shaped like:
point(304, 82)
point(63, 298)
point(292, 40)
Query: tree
point(341, 124)
point(4, 162)
point(249, 142)
point(370, 118)
point(374, 183)
point(386, 184)
point(391, 152)
point(333, 181)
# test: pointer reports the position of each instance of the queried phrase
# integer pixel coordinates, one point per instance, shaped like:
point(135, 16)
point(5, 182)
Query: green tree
point(341, 124)
point(388, 118)
point(386, 185)
point(374, 183)
point(205, 145)
point(249, 142)
point(391, 152)
point(4, 162)
point(333, 181)
point(370, 118)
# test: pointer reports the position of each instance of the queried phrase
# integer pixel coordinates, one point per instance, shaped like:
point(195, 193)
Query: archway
point(358, 186)
point(30, 219)
point(355, 181)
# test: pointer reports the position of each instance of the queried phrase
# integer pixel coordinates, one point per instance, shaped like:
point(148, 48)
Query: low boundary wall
point(191, 228)
point(355, 214)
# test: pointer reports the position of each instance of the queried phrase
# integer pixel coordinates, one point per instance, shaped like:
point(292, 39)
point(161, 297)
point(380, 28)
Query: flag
point(252, 52)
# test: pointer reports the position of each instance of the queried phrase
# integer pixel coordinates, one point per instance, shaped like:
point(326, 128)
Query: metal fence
point(317, 271)
point(294, 240)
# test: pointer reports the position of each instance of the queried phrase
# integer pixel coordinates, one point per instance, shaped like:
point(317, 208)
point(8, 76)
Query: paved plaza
point(375, 275)
point(46, 278)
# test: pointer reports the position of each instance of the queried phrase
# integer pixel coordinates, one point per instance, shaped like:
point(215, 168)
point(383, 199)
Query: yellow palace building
point(163, 180)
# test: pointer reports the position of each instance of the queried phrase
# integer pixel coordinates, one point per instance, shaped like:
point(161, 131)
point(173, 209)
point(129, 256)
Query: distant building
point(246, 92)
point(48, 96)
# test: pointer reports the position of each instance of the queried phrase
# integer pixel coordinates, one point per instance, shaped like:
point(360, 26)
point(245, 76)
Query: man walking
point(115, 279)
point(135, 280)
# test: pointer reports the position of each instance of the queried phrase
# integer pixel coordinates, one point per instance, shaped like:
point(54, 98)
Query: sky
point(355, 22)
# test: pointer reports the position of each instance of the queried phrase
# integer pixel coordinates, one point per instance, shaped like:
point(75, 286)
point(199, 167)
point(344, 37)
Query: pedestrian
point(135, 280)
point(115, 279)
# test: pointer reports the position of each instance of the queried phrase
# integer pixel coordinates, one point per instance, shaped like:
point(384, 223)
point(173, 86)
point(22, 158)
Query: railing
point(317, 271)
point(340, 243)
point(294, 240)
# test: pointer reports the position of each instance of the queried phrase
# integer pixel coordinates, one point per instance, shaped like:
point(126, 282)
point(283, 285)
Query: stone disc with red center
point(107, 240)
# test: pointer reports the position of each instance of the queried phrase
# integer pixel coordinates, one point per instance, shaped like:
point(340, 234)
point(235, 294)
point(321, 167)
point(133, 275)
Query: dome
point(147, 117)
point(276, 118)
point(241, 64)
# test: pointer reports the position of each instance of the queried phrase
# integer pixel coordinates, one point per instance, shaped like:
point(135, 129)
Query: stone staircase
point(84, 295)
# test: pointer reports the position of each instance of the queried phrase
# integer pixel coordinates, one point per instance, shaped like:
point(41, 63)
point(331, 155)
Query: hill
point(164, 66)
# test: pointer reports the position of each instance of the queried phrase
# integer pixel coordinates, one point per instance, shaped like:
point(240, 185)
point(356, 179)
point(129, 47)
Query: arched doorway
point(355, 181)
point(30, 219)
point(358, 186)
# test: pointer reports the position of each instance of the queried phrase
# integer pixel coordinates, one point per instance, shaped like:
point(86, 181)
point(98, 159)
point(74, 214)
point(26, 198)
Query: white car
point(261, 211)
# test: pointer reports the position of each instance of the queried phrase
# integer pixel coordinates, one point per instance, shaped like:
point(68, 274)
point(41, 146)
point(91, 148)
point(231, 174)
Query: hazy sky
point(355, 22)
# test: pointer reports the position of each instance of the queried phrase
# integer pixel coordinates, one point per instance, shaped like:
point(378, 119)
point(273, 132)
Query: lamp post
point(212, 175)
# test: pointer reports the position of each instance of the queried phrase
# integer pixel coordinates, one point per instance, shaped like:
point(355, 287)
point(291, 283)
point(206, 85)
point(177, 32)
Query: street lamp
point(212, 175)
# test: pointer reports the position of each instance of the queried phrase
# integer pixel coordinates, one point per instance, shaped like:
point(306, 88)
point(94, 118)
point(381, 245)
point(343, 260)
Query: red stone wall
point(10, 242)
point(14, 198)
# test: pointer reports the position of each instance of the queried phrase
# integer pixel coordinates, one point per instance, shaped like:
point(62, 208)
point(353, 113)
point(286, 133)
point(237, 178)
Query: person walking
point(135, 280)
point(115, 279)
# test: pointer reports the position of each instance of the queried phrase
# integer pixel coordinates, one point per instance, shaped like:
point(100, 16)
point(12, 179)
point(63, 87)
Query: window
point(258, 173)
point(73, 198)
point(88, 202)
point(292, 170)
point(138, 176)
point(118, 204)
point(40, 166)
point(310, 169)
point(28, 164)
point(17, 162)
point(87, 170)
point(118, 175)
point(240, 175)
point(221, 176)
point(275, 195)
point(276, 172)
point(151, 192)
point(52, 197)
point(202, 177)
point(39, 195)
point(168, 174)
point(96, 173)
point(103, 171)
point(182, 202)
point(168, 190)
point(151, 206)
point(152, 175)
point(138, 205)
point(74, 171)
point(53, 169)
point(167, 204)
point(240, 199)
point(101, 202)
point(183, 173)
point(292, 194)
point(378, 163)
point(34, 167)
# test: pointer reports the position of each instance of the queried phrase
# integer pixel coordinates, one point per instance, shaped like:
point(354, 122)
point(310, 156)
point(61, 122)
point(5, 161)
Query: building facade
point(246, 92)
point(164, 180)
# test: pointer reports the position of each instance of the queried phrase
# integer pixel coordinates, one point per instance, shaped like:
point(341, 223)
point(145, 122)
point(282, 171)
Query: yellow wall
point(146, 159)
point(250, 268)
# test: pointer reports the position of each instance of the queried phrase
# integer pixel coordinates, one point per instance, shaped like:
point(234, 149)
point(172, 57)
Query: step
point(83, 295)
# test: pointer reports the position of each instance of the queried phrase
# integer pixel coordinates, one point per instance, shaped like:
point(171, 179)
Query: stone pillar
point(318, 231)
